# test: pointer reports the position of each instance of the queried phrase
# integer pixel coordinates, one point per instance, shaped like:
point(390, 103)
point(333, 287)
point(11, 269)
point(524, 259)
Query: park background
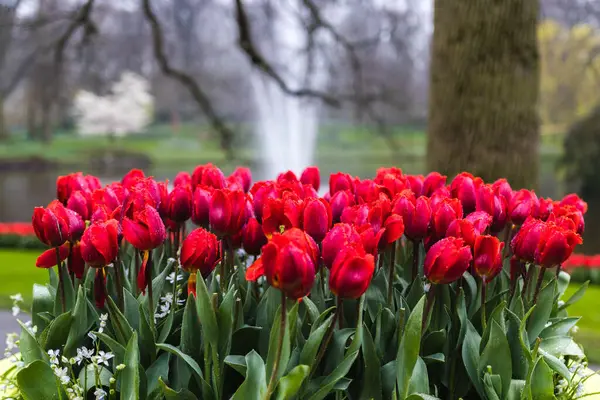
point(501, 89)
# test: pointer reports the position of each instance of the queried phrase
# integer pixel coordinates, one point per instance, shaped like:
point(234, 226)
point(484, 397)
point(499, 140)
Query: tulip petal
point(255, 271)
point(48, 258)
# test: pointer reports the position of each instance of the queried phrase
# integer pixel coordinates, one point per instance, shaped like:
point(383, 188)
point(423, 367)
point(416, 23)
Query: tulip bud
point(433, 182)
point(163, 207)
point(146, 230)
point(574, 200)
point(201, 205)
point(415, 183)
point(253, 237)
point(351, 273)
point(317, 218)
point(311, 176)
point(463, 229)
point(337, 239)
point(446, 211)
point(183, 178)
point(340, 201)
point(208, 175)
point(523, 204)
point(340, 181)
point(502, 188)
point(447, 260)
point(51, 224)
point(487, 259)
point(526, 241)
point(556, 245)
point(200, 252)
point(416, 215)
point(100, 244)
point(227, 213)
point(180, 204)
point(244, 176)
point(464, 187)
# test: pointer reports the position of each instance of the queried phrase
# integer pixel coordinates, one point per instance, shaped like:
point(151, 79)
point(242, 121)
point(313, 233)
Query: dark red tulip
point(261, 191)
point(253, 237)
point(201, 205)
point(546, 207)
point(340, 201)
point(48, 258)
point(75, 261)
point(111, 196)
point(200, 252)
point(371, 239)
point(51, 224)
point(281, 214)
point(340, 181)
point(227, 213)
point(311, 176)
point(182, 178)
point(76, 225)
point(146, 230)
point(338, 238)
point(163, 206)
point(433, 182)
point(502, 188)
point(556, 245)
point(351, 273)
point(66, 185)
point(481, 221)
point(132, 177)
point(208, 175)
point(464, 187)
point(100, 243)
point(81, 204)
point(445, 212)
point(527, 239)
point(463, 229)
point(574, 200)
point(100, 294)
point(145, 191)
point(415, 183)
point(289, 262)
point(416, 215)
point(487, 259)
point(523, 204)
point(180, 204)
point(317, 218)
point(447, 260)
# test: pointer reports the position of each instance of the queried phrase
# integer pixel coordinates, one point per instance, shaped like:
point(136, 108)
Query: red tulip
point(180, 204)
point(493, 204)
point(502, 188)
point(100, 294)
point(556, 245)
point(311, 176)
point(132, 177)
point(66, 185)
point(201, 205)
point(357, 215)
point(416, 215)
point(146, 230)
point(526, 241)
point(337, 239)
point(48, 258)
point(111, 196)
point(464, 187)
point(481, 221)
point(574, 200)
point(546, 207)
point(93, 183)
point(145, 191)
point(445, 212)
point(289, 263)
point(487, 260)
point(208, 175)
point(392, 179)
point(200, 252)
point(76, 225)
point(286, 177)
point(100, 243)
point(75, 261)
point(182, 178)
point(433, 182)
point(317, 218)
point(253, 237)
point(447, 260)
point(81, 204)
point(367, 191)
point(227, 213)
point(340, 181)
point(340, 201)
point(351, 273)
point(393, 228)
point(415, 183)
point(243, 176)
point(438, 196)
point(163, 206)
point(261, 191)
point(523, 204)
point(281, 214)
point(568, 217)
point(463, 229)
point(51, 224)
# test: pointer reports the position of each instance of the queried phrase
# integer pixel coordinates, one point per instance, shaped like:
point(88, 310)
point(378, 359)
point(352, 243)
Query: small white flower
point(62, 374)
point(103, 317)
point(100, 394)
point(92, 336)
point(83, 353)
point(171, 277)
point(167, 298)
point(16, 297)
point(11, 339)
point(102, 358)
point(53, 354)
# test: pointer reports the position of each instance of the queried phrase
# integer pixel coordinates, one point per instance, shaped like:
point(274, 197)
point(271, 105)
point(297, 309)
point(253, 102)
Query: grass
point(589, 325)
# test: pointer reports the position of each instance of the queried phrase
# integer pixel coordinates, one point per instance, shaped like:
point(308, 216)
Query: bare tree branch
point(82, 19)
point(186, 80)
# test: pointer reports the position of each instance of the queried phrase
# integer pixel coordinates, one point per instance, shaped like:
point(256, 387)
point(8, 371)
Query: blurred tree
point(570, 73)
point(484, 89)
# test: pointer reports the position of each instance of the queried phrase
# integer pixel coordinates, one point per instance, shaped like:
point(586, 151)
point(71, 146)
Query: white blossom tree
point(126, 109)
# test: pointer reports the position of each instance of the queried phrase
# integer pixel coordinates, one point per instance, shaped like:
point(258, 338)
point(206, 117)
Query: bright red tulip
point(111, 196)
point(180, 204)
point(526, 241)
point(481, 221)
point(447, 260)
point(340, 201)
point(253, 237)
point(243, 176)
point(317, 218)
point(227, 213)
point(48, 258)
point(351, 273)
point(100, 243)
point(523, 204)
point(51, 224)
point(493, 204)
point(286, 177)
point(145, 191)
point(502, 188)
point(146, 230)
point(340, 181)
point(568, 217)
point(546, 207)
point(367, 191)
point(556, 245)
point(574, 200)
point(201, 205)
point(93, 183)
point(289, 262)
point(66, 185)
point(81, 204)
point(337, 239)
point(132, 177)
point(433, 182)
point(163, 206)
point(392, 179)
point(443, 214)
point(416, 215)
point(487, 259)
point(182, 178)
point(261, 191)
point(208, 175)
point(463, 229)
point(464, 187)
point(281, 214)
point(415, 183)
point(200, 252)
point(311, 176)
point(357, 215)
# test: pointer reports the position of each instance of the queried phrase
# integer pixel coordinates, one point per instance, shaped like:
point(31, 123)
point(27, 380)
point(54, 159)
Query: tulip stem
point(61, 283)
point(390, 294)
point(415, 266)
point(538, 285)
point(483, 298)
point(271, 386)
point(526, 282)
point(119, 282)
point(428, 306)
point(149, 268)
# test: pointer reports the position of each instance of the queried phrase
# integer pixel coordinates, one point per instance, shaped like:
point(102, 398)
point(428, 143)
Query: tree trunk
point(46, 125)
point(484, 90)
point(4, 133)
point(31, 114)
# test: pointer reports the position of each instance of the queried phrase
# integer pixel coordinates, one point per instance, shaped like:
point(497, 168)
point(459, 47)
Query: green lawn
point(589, 326)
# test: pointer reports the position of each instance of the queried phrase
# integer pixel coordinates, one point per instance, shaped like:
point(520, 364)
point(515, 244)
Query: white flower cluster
point(166, 302)
point(171, 277)
point(103, 320)
point(17, 299)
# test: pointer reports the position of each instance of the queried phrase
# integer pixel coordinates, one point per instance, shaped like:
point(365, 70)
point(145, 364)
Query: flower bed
point(394, 287)
point(18, 235)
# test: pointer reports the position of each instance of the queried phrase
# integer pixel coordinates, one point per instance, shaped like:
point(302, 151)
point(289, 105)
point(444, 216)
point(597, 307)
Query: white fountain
point(287, 126)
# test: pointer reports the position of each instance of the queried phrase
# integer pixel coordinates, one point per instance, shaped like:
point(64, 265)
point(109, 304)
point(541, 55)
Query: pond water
point(21, 191)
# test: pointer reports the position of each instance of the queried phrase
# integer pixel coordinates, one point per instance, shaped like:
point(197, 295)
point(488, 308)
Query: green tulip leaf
point(130, 376)
point(371, 386)
point(115, 347)
point(82, 325)
point(238, 363)
point(208, 319)
point(29, 346)
point(309, 352)
point(541, 313)
point(122, 328)
point(575, 297)
point(90, 380)
point(255, 384)
point(470, 355)
point(55, 335)
point(496, 355)
point(408, 351)
point(559, 327)
point(290, 384)
point(42, 303)
point(171, 394)
point(37, 382)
